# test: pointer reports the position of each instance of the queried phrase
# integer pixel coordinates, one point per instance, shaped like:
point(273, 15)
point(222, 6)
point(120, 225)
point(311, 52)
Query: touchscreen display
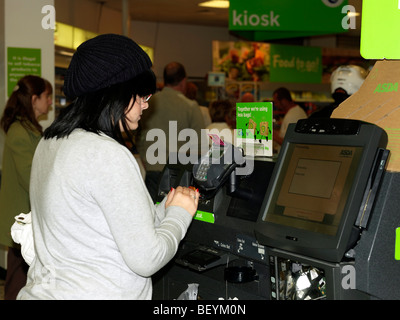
point(313, 187)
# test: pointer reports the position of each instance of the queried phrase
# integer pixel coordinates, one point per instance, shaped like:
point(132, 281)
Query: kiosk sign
point(273, 19)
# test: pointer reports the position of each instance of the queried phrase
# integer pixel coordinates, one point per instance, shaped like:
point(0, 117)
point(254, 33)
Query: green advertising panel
point(260, 20)
point(254, 124)
point(22, 62)
point(204, 216)
point(379, 29)
point(295, 64)
point(397, 245)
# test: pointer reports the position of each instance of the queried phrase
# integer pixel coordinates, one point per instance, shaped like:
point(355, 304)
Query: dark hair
point(174, 72)
point(191, 90)
point(283, 93)
point(103, 110)
point(219, 109)
point(19, 105)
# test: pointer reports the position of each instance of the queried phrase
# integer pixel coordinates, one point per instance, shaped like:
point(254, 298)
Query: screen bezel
point(326, 247)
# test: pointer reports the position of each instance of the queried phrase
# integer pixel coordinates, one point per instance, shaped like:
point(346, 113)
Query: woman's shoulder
point(24, 126)
point(80, 137)
point(97, 144)
point(19, 131)
point(16, 127)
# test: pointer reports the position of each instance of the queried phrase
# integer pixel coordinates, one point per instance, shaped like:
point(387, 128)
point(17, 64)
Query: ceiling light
point(353, 14)
point(215, 4)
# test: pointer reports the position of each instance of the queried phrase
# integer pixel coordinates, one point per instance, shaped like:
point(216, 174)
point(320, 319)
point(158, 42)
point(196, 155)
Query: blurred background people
point(345, 81)
point(167, 106)
point(223, 116)
point(282, 100)
point(248, 97)
point(32, 98)
point(191, 93)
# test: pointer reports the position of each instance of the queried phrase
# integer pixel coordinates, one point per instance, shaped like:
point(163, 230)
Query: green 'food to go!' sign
point(295, 64)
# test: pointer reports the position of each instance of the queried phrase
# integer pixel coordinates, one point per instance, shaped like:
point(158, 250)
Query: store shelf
point(60, 100)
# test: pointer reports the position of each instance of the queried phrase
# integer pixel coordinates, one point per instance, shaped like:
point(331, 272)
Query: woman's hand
point(187, 198)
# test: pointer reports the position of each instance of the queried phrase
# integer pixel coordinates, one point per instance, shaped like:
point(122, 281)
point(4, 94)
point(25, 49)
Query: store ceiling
point(186, 12)
point(171, 11)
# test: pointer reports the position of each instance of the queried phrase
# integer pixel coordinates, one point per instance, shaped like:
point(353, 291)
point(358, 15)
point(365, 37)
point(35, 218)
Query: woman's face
point(42, 103)
point(135, 111)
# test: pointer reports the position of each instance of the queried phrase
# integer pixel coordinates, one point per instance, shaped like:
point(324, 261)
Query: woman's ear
point(34, 99)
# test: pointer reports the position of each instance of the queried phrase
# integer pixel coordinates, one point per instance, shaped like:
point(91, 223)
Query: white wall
point(23, 28)
point(191, 45)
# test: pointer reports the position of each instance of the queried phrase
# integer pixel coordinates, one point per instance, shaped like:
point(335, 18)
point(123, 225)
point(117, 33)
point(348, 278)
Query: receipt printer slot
point(202, 259)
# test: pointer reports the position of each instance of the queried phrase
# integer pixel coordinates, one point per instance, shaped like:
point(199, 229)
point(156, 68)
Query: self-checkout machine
point(319, 223)
point(220, 252)
point(319, 202)
point(377, 259)
point(331, 233)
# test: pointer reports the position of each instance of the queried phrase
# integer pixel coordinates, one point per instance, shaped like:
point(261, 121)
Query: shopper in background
point(30, 99)
point(97, 233)
point(345, 81)
point(167, 106)
point(191, 93)
point(282, 100)
point(223, 117)
point(247, 97)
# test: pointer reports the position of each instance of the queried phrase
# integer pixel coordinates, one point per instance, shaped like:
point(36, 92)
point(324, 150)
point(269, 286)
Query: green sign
point(254, 123)
point(295, 64)
point(22, 62)
point(379, 29)
point(387, 87)
point(261, 20)
point(397, 245)
point(204, 216)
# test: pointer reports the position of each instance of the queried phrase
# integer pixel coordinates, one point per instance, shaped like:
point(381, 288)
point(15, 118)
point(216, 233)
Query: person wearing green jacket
point(30, 99)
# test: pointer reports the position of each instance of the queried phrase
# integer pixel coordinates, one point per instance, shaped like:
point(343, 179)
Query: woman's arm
point(146, 240)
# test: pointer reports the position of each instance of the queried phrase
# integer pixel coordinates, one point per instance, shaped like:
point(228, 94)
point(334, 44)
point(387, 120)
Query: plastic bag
point(190, 293)
point(21, 232)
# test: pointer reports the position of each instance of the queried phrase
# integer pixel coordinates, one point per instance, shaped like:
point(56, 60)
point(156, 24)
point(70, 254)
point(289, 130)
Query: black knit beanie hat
point(103, 61)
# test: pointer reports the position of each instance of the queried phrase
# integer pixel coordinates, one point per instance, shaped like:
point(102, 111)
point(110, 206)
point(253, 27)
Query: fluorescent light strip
point(222, 4)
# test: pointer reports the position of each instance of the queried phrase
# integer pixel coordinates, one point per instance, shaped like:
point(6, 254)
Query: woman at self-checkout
point(97, 233)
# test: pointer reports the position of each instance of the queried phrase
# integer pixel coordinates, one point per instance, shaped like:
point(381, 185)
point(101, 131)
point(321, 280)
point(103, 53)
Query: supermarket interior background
point(204, 41)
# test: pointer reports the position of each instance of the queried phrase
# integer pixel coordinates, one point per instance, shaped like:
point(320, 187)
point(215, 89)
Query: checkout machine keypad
point(202, 171)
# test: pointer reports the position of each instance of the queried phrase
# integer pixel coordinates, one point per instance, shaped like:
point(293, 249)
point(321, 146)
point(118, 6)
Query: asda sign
point(272, 19)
